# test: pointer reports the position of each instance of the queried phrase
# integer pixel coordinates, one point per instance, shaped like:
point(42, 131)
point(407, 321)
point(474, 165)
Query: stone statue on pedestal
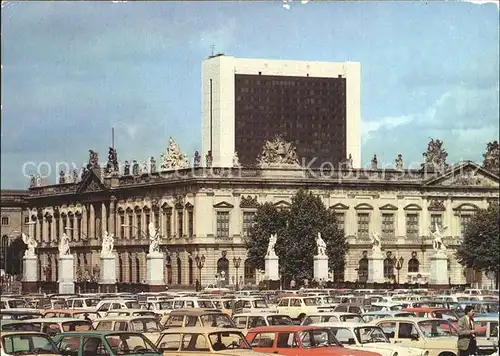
point(399, 162)
point(197, 159)
point(209, 159)
point(152, 164)
point(154, 245)
point(31, 243)
point(376, 242)
point(438, 244)
point(93, 160)
point(321, 245)
point(126, 169)
point(374, 163)
point(491, 157)
point(38, 180)
point(108, 244)
point(236, 160)
point(271, 245)
point(62, 177)
point(349, 161)
point(145, 168)
point(135, 168)
point(32, 181)
point(76, 176)
point(64, 245)
point(435, 157)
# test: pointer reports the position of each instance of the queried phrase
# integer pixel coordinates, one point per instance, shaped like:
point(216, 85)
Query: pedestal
point(439, 270)
point(66, 274)
point(155, 277)
point(107, 278)
point(376, 267)
point(320, 268)
point(272, 268)
point(30, 274)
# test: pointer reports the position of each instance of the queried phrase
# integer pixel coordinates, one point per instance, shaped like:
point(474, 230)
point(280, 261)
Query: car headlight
point(394, 354)
point(425, 353)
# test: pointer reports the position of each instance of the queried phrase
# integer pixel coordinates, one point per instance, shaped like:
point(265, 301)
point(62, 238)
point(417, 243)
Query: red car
point(299, 340)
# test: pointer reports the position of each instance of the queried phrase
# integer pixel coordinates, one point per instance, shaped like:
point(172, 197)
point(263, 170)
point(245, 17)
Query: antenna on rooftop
point(213, 50)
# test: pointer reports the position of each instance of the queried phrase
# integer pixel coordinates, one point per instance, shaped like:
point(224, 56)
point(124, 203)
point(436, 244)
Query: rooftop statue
point(492, 157)
point(278, 152)
point(173, 158)
point(435, 157)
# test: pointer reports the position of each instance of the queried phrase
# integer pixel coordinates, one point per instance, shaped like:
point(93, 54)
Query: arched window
point(120, 268)
point(130, 274)
point(223, 270)
point(413, 263)
point(179, 271)
point(249, 273)
point(137, 270)
point(363, 268)
point(190, 266)
point(388, 266)
point(169, 270)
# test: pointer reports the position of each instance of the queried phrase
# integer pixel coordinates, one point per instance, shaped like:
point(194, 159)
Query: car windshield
point(351, 318)
point(145, 325)
point(19, 327)
point(206, 304)
point(81, 325)
point(216, 320)
point(26, 344)
point(91, 302)
point(18, 303)
point(279, 320)
point(166, 305)
point(310, 301)
point(132, 305)
point(317, 338)
point(369, 334)
point(125, 344)
point(436, 328)
point(260, 303)
point(228, 341)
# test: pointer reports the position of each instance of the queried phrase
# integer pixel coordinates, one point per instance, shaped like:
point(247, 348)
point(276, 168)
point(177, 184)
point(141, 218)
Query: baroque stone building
point(205, 211)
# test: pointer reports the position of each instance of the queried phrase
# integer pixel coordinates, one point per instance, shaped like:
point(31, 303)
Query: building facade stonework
point(209, 211)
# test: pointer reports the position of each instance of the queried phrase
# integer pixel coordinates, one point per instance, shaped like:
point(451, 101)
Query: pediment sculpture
point(64, 245)
point(492, 157)
point(468, 178)
point(435, 157)
point(112, 164)
point(173, 158)
point(278, 152)
point(321, 245)
point(32, 245)
point(108, 244)
point(271, 252)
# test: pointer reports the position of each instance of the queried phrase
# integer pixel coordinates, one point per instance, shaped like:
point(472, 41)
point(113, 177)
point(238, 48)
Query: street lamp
point(237, 263)
point(398, 264)
point(200, 262)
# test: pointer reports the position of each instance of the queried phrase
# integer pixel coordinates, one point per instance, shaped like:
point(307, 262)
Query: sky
point(73, 70)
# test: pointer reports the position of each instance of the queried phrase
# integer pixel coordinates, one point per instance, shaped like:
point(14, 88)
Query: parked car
point(246, 321)
point(146, 325)
point(54, 326)
point(299, 341)
point(105, 343)
point(198, 317)
point(199, 341)
point(370, 338)
point(27, 343)
point(332, 317)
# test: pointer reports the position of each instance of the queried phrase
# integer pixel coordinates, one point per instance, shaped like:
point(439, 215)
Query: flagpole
point(113, 138)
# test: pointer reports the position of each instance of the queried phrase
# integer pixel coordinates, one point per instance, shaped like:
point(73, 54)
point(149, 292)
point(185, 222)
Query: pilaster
point(45, 228)
point(92, 234)
point(84, 226)
point(104, 219)
point(112, 216)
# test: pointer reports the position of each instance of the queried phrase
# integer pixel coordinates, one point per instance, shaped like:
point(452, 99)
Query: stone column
point(76, 228)
point(112, 216)
point(104, 219)
point(31, 229)
point(54, 233)
point(448, 217)
point(85, 231)
point(92, 234)
point(45, 232)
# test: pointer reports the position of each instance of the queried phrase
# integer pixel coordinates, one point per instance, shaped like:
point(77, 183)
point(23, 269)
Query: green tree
point(480, 247)
point(268, 220)
point(297, 229)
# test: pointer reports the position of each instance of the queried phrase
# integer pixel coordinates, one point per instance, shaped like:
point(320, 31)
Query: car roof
point(125, 318)
point(337, 324)
point(97, 332)
point(17, 332)
point(260, 314)
point(289, 328)
point(414, 319)
point(195, 312)
point(198, 329)
point(53, 320)
point(333, 314)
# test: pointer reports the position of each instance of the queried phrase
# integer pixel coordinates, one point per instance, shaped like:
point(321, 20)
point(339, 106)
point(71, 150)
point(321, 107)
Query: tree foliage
point(480, 248)
point(297, 229)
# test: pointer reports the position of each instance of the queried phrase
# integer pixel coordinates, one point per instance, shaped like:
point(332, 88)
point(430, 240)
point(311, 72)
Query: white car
point(215, 288)
point(368, 337)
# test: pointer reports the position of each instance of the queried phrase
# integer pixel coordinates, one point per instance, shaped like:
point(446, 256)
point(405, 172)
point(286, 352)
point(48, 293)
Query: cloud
point(484, 2)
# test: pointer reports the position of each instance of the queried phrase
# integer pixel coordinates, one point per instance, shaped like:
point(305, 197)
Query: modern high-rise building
point(314, 105)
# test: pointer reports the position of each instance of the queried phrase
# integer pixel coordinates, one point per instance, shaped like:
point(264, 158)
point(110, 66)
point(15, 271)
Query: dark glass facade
point(308, 111)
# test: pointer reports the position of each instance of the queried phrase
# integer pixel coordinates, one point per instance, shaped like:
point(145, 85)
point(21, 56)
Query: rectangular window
point(71, 228)
point(388, 225)
point(248, 221)
point(167, 217)
point(464, 221)
point(363, 225)
point(26, 220)
point(436, 219)
point(180, 221)
point(340, 217)
point(122, 228)
point(223, 223)
point(5, 220)
point(412, 225)
point(190, 223)
point(148, 220)
point(49, 230)
point(156, 216)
